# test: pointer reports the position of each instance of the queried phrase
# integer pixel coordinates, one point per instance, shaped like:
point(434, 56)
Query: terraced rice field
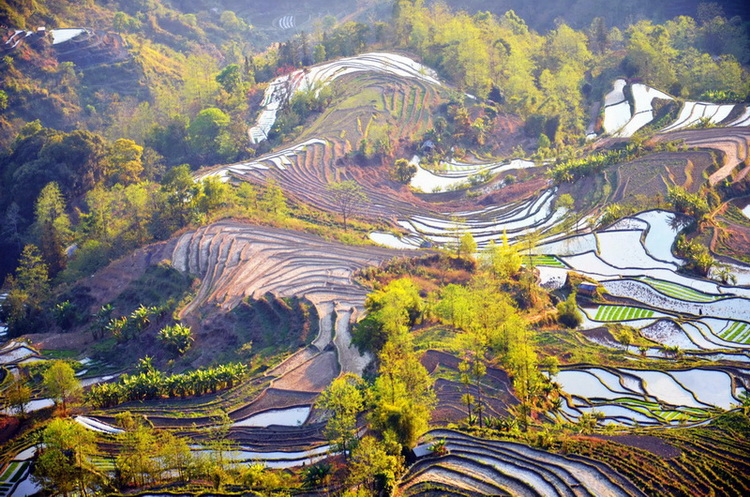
point(15, 477)
point(692, 112)
point(732, 142)
point(643, 113)
point(282, 88)
point(632, 396)
point(489, 224)
point(477, 466)
point(620, 121)
point(449, 175)
point(738, 332)
point(633, 260)
point(677, 460)
point(679, 291)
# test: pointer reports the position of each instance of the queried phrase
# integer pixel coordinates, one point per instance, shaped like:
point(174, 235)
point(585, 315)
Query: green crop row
point(621, 313)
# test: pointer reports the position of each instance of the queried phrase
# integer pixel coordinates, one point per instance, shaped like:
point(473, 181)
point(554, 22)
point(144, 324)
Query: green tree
point(214, 195)
point(274, 200)
point(466, 245)
point(230, 78)
point(27, 291)
point(64, 463)
point(651, 54)
point(348, 197)
point(124, 162)
point(504, 261)
point(174, 456)
point(403, 171)
point(181, 194)
point(522, 363)
point(61, 383)
point(343, 400)
point(204, 132)
point(565, 201)
point(568, 313)
point(625, 335)
point(135, 462)
point(403, 393)
point(373, 468)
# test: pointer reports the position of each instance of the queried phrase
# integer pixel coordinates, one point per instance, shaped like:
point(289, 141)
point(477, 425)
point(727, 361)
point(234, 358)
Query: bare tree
point(347, 195)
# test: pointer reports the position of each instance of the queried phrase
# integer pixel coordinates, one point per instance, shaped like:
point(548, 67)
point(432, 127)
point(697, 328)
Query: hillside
point(374, 248)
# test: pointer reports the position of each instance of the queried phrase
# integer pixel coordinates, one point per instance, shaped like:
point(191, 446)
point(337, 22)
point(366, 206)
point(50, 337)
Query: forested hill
point(580, 13)
point(152, 84)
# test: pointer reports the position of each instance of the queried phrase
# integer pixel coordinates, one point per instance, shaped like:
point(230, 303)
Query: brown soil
point(731, 238)
point(650, 176)
point(515, 192)
point(655, 445)
point(274, 398)
point(8, 428)
point(313, 376)
point(599, 334)
point(497, 396)
point(60, 341)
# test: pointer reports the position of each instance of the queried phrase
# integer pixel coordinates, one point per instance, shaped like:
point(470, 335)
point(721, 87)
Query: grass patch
point(60, 354)
point(275, 325)
point(21, 469)
point(435, 337)
point(159, 286)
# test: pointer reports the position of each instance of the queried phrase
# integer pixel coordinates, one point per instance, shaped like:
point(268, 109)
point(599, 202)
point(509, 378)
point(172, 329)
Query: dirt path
point(349, 357)
point(325, 332)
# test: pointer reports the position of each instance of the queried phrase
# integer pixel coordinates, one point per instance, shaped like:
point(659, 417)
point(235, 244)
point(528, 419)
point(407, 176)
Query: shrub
point(698, 257)
point(688, 203)
point(177, 338)
point(568, 313)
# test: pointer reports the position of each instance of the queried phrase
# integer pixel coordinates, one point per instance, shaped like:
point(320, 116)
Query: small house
point(588, 289)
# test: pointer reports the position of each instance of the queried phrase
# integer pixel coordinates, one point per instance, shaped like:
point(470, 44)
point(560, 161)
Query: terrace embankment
point(473, 464)
point(733, 143)
point(236, 261)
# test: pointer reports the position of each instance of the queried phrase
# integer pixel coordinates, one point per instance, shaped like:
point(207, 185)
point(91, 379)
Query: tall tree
point(403, 171)
point(17, 395)
point(205, 131)
point(53, 226)
point(344, 400)
point(274, 200)
point(136, 462)
point(27, 290)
